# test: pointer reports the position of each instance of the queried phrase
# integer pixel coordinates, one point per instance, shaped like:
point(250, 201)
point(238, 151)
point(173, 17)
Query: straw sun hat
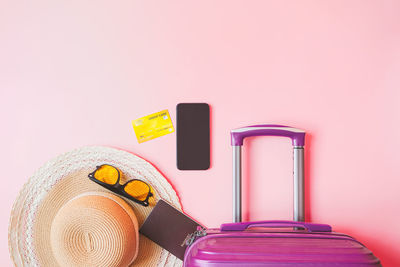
point(61, 218)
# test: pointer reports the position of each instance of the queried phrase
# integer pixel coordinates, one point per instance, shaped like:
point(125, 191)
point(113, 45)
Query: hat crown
point(94, 229)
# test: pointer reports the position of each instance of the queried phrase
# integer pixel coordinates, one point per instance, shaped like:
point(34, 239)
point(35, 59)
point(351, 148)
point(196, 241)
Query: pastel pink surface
point(76, 73)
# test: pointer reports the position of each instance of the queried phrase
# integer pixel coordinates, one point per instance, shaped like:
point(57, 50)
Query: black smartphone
point(193, 136)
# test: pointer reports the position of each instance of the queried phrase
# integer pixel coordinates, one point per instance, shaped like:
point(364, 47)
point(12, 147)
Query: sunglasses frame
point(119, 188)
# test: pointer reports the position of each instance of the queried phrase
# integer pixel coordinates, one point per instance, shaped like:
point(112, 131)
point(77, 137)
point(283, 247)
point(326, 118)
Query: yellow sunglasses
point(109, 176)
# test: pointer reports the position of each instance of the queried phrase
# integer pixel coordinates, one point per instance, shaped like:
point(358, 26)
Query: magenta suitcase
point(275, 243)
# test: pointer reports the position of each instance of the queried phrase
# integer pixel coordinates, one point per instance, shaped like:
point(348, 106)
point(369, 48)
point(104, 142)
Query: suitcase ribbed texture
point(296, 248)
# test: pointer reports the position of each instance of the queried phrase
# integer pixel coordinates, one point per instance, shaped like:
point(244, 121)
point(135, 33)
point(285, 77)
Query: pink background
point(75, 73)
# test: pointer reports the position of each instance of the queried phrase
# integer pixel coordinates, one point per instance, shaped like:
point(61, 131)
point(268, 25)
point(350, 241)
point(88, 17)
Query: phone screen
point(193, 136)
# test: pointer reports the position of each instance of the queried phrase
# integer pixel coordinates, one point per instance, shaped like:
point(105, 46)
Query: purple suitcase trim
point(297, 135)
point(311, 227)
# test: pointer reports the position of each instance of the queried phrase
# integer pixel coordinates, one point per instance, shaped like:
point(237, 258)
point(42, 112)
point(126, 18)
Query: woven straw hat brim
point(62, 179)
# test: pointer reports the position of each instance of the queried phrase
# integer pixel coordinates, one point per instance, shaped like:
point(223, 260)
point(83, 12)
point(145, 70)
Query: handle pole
point(237, 183)
point(298, 184)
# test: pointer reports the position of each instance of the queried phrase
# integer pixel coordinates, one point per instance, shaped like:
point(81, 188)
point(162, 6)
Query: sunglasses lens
point(106, 174)
point(137, 189)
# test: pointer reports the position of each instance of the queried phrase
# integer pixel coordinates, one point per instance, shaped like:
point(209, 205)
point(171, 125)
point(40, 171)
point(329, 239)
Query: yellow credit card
point(153, 126)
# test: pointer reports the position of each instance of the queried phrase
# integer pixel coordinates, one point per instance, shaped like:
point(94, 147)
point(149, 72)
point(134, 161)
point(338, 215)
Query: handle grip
point(297, 135)
point(310, 227)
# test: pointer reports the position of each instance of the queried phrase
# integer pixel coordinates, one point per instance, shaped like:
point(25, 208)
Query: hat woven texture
point(36, 221)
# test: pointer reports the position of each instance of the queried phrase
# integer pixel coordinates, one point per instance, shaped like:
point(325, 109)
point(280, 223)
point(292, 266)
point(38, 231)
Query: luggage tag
point(153, 126)
point(171, 229)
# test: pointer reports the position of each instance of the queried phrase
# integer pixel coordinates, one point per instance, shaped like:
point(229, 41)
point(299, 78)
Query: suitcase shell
point(221, 247)
point(275, 243)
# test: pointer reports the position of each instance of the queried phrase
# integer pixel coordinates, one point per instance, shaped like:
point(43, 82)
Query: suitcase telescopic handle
point(310, 227)
point(298, 139)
